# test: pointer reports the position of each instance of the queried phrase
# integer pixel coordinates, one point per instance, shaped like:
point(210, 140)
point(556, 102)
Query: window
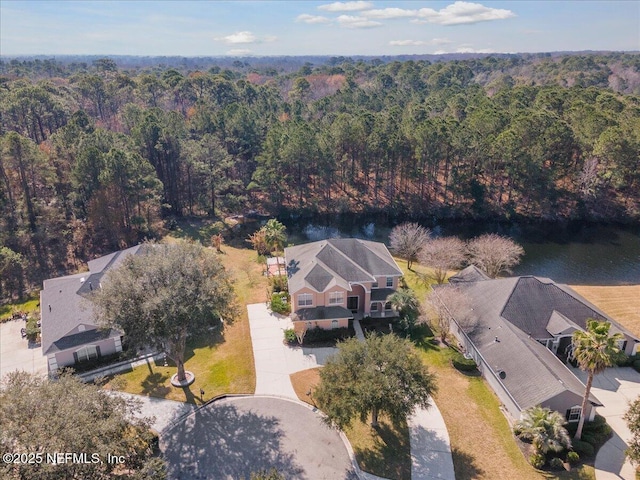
point(374, 307)
point(574, 413)
point(334, 324)
point(86, 353)
point(336, 298)
point(305, 300)
point(374, 285)
point(389, 282)
point(387, 306)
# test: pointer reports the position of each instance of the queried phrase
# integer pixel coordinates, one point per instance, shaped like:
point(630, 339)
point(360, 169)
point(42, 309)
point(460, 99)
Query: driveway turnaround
point(233, 437)
point(165, 412)
point(15, 353)
point(615, 388)
point(430, 450)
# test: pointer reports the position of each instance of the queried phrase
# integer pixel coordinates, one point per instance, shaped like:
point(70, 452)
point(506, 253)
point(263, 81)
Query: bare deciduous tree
point(443, 254)
point(494, 254)
point(407, 239)
point(449, 303)
point(300, 328)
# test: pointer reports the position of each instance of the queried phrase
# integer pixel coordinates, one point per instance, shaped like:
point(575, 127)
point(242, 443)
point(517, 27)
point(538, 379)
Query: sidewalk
point(275, 361)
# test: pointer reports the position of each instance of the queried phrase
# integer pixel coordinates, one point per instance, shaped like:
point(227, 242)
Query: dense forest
point(96, 156)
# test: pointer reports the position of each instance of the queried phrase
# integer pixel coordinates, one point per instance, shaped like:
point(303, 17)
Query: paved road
point(233, 437)
point(15, 353)
point(275, 361)
point(615, 388)
point(164, 412)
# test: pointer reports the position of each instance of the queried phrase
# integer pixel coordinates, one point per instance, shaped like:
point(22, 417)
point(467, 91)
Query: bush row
point(460, 362)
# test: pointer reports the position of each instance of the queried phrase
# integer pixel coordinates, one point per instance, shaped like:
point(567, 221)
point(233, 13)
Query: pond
point(580, 253)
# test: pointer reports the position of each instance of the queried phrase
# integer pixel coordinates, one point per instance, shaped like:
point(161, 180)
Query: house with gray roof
point(519, 331)
point(331, 281)
point(69, 333)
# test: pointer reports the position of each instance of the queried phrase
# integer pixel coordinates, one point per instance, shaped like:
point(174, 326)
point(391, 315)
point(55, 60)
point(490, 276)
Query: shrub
point(318, 334)
point(463, 364)
point(280, 304)
point(278, 283)
point(622, 359)
point(583, 449)
point(556, 463)
point(573, 458)
point(636, 365)
point(290, 336)
point(537, 460)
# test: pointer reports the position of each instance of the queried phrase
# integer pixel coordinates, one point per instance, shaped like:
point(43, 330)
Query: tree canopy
point(632, 417)
point(494, 254)
point(380, 374)
point(41, 416)
point(165, 295)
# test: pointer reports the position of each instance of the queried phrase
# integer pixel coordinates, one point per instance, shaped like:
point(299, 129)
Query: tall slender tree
point(594, 350)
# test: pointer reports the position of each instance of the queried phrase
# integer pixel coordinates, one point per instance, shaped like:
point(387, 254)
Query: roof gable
point(320, 265)
point(533, 301)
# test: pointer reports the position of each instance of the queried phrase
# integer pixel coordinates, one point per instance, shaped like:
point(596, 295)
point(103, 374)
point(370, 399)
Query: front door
point(352, 304)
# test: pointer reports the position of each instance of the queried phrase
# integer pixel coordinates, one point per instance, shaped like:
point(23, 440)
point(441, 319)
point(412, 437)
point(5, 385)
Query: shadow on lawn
point(465, 465)
point(391, 454)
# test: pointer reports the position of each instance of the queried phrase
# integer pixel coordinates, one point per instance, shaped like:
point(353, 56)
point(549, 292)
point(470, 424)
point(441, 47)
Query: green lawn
point(222, 361)
point(482, 443)
point(29, 305)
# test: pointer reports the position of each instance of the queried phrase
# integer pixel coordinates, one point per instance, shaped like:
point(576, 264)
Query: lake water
point(574, 254)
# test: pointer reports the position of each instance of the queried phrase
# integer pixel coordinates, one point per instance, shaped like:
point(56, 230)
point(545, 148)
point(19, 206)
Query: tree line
point(95, 157)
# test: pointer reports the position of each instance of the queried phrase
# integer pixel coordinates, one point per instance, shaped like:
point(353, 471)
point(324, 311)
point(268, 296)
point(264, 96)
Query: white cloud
point(314, 19)
point(459, 13)
point(385, 13)
point(464, 49)
point(345, 6)
point(239, 52)
point(413, 43)
point(239, 38)
point(351, 21)
point(407, 43)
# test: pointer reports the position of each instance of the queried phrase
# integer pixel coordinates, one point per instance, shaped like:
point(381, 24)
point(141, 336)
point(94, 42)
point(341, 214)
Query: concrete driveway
point(274, 360)
point(15, 353)
point(615, 388)
point(233, 437)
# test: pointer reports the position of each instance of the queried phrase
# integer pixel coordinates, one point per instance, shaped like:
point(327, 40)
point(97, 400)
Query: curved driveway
point(233, 437)
point(430, 449)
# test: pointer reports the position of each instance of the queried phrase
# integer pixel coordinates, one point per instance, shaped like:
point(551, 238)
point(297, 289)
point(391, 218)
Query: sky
point(265, 28)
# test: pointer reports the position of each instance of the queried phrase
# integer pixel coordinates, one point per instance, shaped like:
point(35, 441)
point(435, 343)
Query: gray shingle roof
point(69, 296)
point(533, 301)
point(381, 294)
point(469, 274)
point(321, 265)
point(323, 313)
point(533, 373)
point(83, 338)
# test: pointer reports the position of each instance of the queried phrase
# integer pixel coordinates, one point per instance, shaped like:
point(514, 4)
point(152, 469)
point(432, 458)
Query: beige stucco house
point(332, 281)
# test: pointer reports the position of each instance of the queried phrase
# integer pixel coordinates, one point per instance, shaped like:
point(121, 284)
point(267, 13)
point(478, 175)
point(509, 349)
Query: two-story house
point(332, 281)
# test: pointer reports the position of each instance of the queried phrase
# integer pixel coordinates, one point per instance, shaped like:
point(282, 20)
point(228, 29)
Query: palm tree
point(545, 428)
point(406, 303)
point(275, 234)
point(594, 350)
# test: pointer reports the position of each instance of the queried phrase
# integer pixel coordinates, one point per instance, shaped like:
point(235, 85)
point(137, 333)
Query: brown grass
point(223, 361)
point(622, 303)
point(384, 451)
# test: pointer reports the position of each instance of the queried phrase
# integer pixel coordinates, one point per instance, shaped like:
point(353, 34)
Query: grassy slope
point(384, 451)
point(222, 363)
point(481, 439)
point(29, 305)
point(622, 303)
